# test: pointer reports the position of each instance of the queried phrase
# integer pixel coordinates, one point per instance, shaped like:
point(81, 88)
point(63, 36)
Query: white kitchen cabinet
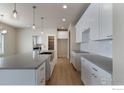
point(78, 33)
point(81, 26)
point(97, 18)
point(93, 75)
point(93, 11)
point(23, 76)
point(85, 72)
point(40, 75)
point(73, 59)
point(101, 21)
point(106, 21)
point(63, 35)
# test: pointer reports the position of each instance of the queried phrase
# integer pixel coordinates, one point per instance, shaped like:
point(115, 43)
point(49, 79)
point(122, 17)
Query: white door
point(62, 47)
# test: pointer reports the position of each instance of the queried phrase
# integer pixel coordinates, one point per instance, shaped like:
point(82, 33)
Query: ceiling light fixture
point(64, 6)
point(33, 26)
point(63, 19)
point(3, 29)
point(42, 26)
point(15, 13)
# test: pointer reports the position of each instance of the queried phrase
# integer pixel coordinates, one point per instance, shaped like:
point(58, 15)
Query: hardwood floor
point(64, 74)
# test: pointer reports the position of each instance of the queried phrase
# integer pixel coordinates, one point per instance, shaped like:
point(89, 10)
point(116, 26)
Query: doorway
point(62, 48)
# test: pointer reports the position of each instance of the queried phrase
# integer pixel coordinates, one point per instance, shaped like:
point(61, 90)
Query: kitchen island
point(23, 69)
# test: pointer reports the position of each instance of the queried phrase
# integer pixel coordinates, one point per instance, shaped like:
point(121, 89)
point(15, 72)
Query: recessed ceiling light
point(64, 6)
point(63, 19)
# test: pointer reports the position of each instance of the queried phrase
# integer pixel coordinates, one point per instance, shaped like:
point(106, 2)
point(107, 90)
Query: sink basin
point(46, 53)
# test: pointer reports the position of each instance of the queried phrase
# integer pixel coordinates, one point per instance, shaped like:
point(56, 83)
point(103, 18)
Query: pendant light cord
point(34, 7)
point(15, 6)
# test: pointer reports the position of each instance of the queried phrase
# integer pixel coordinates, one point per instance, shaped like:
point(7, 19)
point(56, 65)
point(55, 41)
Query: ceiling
point(52, 13)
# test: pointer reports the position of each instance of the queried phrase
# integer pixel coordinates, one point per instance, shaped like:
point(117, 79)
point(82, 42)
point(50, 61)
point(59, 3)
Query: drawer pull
point(95, 76)
point(94, 69)
point(109, 36)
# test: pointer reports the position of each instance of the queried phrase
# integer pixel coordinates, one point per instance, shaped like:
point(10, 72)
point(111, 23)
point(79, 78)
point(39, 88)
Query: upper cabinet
point(106, 21)
point(97, 18)
point(94, 23)
point(81, 26)
point(63, 35)
point(78, 33)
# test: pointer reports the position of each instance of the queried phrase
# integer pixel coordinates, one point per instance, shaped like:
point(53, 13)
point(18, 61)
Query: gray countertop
point(78, 51)
point(23, 61)
point(103, 62)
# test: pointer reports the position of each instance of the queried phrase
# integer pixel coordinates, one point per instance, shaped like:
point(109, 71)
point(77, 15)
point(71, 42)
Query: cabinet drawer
point(99, 75)
point(91, 74)
point(40, 75)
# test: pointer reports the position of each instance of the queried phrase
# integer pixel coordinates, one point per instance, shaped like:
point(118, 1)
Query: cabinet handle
point(109, 36)
point(94, 69)
point(95, 76)
point(92, 74)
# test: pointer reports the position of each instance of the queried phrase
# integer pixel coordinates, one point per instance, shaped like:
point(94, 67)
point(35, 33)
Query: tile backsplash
point(103, 48)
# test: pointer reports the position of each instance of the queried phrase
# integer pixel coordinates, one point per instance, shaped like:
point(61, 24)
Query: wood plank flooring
point(64, 74)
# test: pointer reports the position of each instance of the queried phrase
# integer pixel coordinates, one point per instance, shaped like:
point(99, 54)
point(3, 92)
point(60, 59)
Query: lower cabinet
point(93, 75)
point(40, 75)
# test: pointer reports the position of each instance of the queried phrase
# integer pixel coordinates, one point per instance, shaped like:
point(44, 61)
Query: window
point(1, 44)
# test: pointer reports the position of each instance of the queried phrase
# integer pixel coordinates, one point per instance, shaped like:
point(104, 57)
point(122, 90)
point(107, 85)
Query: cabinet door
point(105, 21)
point(85, 21)
point(78, 33)
point(99, 76)
point(40, 75)
point(85, 72)
point(94, 21)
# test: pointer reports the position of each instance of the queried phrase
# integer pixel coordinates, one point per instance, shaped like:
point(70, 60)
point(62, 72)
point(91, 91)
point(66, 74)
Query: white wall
point(10, 41)
point(24, 39)
point(118, 44)
point(103, 48)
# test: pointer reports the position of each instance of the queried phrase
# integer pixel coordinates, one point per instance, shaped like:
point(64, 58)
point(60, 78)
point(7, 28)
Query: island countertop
point(23, 61)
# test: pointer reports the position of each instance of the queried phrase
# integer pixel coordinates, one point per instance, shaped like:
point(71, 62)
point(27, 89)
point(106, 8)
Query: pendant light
point(3, 27)
point(42, 26)
point(33, 26)
point(15, 11)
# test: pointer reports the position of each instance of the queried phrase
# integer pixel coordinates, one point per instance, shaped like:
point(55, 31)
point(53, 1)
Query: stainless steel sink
point(46, 53)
